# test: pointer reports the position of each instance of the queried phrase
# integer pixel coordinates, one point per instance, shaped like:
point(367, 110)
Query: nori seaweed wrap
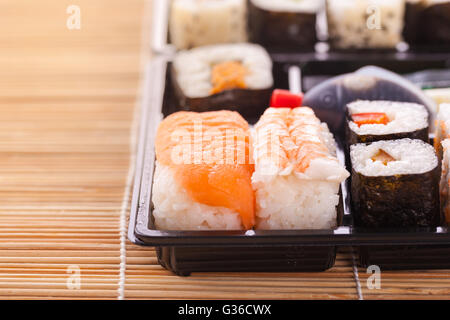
point(283, 25)
point(395, 184)
point(235, 77)
point(427, 23)
point(370, 121)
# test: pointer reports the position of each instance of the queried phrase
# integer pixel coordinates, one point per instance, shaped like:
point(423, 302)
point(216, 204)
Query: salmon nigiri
point(297, 174)
point(203, 172)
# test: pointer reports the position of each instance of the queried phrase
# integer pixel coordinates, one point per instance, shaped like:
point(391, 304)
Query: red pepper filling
point(370, 118)
point(285, 99)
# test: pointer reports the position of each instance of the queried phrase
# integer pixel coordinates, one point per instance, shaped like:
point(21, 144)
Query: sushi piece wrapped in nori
point(297, 174)
point(202, 179)
point(427, 23)
point(284, 24)
point(365, 24)
point(395, 183)
point(196, 23)
point(231, 76)
point(370, 121)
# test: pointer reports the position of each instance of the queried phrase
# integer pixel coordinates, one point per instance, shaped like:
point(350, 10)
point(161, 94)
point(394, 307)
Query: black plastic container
point(184, 252)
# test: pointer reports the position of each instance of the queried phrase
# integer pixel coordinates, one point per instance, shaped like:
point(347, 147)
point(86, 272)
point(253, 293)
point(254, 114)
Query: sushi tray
point(395, 220)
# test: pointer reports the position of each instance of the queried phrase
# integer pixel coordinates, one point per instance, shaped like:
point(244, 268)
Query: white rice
point(175, 210)
point(353, 23)
point(292, 203)
point(403, 117)
point(193, 67)
point(411, 157)
point(196, 23)
point(308, 6)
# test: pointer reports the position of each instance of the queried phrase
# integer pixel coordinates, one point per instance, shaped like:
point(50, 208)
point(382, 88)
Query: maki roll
point(231, 76)
point(427, 22)
point(365, 24)
point(395, 183)
point(196, 23)
point(370, 121)
point(297, 174)
point(283, 24)
point(202, 179)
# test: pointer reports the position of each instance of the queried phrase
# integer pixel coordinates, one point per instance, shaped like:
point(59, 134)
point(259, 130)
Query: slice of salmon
point(290, 138)
point(209, 155)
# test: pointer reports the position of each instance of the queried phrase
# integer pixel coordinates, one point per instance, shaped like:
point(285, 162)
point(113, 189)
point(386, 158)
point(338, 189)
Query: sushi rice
point(175, 210)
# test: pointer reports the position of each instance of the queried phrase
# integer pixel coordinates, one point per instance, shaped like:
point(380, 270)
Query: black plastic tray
point(184, 252)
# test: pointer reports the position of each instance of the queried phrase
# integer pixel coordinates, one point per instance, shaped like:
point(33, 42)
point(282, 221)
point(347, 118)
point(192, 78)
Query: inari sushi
point(297, 174)
point(232, 76)
point(427, 23)
point(365, 24)
point(283, 24)
point(370, 121)
point(202, 179)
point(395, 183)
point(196, 23)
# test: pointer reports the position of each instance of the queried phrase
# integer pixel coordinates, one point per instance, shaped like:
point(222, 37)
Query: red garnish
point(285, 99)
point(370, 118)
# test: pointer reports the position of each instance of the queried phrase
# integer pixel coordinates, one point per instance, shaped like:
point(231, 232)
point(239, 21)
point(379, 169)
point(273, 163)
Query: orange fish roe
point(228, 75)
point(225, 180)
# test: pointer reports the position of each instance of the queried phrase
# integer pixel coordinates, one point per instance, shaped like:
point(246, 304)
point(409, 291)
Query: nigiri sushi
point(297, 174)
point(203, 172)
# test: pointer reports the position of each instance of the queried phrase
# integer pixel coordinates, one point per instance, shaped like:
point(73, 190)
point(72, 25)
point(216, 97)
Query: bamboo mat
point(67, 123)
